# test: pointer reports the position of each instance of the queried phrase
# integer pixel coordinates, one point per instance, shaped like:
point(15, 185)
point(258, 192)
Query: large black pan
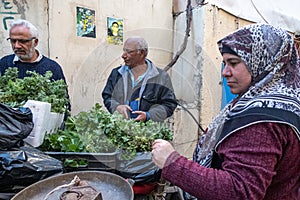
point(111, 186)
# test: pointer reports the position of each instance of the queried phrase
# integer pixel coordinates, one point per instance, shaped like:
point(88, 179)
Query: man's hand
point(123, 109)
point(141, 116)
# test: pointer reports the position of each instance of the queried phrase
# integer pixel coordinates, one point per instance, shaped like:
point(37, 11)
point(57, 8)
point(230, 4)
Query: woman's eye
point(231, 62)
point(234, 63)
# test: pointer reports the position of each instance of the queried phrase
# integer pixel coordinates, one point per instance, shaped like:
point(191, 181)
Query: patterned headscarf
point(273, 62)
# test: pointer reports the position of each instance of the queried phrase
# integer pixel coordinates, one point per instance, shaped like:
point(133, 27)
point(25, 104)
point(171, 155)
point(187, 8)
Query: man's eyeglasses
point(130, 50)
point(22, 41)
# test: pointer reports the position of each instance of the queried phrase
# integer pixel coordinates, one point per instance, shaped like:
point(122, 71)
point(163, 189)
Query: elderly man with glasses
point(138, 89)
point(23, 37)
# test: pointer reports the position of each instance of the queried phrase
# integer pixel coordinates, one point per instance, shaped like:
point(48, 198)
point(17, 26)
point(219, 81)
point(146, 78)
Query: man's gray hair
point(22, 22)
point(141, 44)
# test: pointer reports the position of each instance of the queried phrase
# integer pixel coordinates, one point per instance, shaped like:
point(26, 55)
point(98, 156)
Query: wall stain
point(21, 6)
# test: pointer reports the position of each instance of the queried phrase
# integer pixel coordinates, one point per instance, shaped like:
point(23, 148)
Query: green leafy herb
point(15, 91)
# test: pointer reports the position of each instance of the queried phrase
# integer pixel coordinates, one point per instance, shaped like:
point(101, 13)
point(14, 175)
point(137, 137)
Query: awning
point(285, 14)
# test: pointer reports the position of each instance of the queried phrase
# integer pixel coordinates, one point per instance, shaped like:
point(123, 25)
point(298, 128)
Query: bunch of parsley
point(14, 91)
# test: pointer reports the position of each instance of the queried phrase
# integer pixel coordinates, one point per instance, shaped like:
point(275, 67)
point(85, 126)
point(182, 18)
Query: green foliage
point(131, 136)
point(15, 91)
point(75, 163)
point(100, 131)
point(91, 127)
point(65, 141)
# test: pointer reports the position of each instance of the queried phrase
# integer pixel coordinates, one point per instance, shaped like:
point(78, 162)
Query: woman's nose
point(226, 71)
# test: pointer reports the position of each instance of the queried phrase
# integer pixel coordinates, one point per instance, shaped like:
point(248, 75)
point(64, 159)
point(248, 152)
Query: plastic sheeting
point(140, 169)
point(285, 14)
point(15, 125)
point(23, 166)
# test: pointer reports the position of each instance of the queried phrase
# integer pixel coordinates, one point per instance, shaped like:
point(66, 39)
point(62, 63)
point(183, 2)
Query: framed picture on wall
point(115, 31)
point(85, 22)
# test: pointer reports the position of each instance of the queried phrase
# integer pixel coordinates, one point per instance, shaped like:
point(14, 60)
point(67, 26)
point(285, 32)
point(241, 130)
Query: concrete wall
point(32, 10)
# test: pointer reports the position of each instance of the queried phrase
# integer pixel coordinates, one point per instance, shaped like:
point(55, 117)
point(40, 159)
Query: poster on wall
point(85, 22)
point(115, 31)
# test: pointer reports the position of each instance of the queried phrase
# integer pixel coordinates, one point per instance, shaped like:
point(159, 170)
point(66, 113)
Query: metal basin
point(112, 186)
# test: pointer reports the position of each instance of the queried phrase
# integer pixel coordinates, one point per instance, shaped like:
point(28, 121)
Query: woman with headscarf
point(251, 150)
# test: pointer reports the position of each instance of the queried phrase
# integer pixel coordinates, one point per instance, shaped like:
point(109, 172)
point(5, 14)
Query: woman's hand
point(161, 150)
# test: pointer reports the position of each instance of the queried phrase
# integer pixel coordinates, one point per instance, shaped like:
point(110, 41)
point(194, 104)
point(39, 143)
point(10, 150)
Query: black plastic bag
point(15, 125)
point(21, 167)
point(141, 168)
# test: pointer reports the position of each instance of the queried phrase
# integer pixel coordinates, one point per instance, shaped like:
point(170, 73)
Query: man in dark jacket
point(138, 89)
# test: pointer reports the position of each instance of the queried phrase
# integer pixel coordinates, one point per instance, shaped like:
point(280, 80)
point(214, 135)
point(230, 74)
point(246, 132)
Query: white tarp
point(285, 14)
